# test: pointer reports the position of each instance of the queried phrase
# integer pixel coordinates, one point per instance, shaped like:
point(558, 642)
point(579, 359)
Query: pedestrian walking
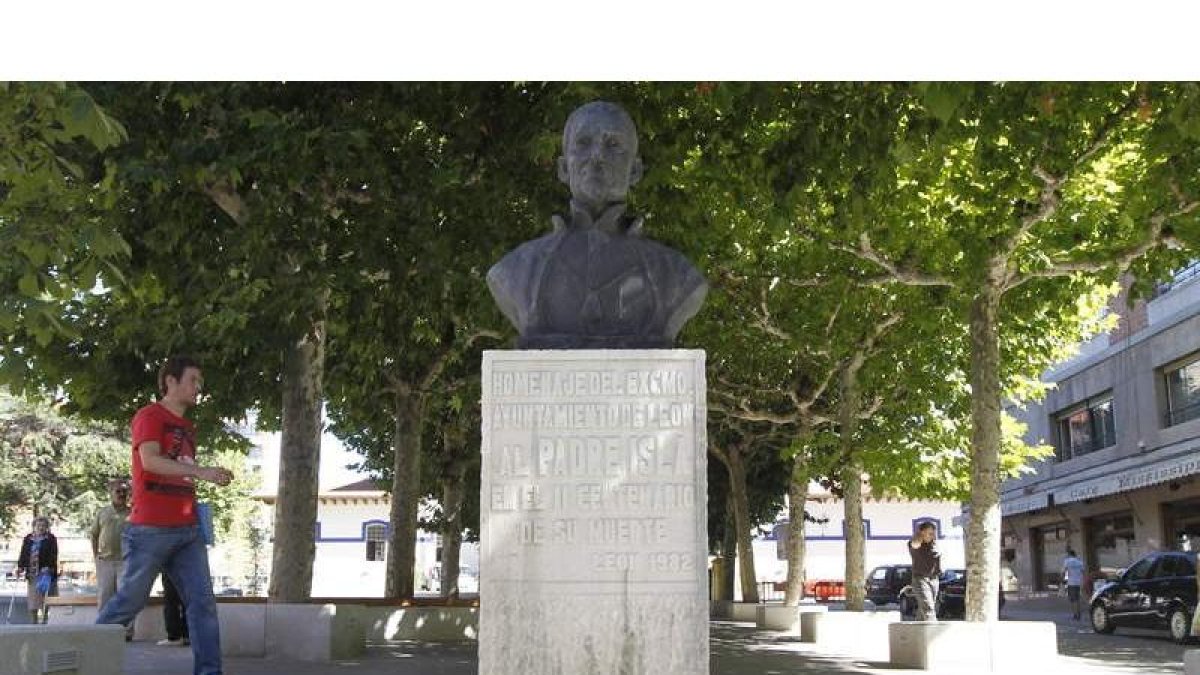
point(174, 617)
point(38, 561)
point(106, 543)
point(163, 534)
point(1073, 578)
point(926, 569)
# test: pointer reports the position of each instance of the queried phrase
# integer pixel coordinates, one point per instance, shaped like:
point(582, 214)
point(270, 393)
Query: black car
point(1158, 591)
point(952, 595)
point(884, 583)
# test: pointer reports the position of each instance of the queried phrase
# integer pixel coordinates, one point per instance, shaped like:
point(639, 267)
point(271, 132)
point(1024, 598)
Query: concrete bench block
point(744, 611)
point(963, 646)
point(243, 629)
point(425, 624)
point(783, 618)
point(1191, 662)
point(314, 632)
point(860, 634)
point(82, 650)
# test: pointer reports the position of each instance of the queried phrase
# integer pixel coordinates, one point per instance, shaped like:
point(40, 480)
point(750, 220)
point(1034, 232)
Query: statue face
point(599, 159)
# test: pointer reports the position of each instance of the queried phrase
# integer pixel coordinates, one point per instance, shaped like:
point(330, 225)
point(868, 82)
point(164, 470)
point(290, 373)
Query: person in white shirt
point(1073, 576)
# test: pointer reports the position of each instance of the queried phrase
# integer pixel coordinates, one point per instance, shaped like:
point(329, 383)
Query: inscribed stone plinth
point(593, 513)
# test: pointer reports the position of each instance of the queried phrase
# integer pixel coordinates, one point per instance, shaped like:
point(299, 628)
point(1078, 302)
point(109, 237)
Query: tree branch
point(1066, 268)
point(1050, 200)
point(229, 201)
point(909, 277)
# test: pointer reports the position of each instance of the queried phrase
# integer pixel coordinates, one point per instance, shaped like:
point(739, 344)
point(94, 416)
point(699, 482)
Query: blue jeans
point(178, 552)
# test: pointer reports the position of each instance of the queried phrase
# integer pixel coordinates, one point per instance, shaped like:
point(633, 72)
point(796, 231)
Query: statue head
point(599, 160)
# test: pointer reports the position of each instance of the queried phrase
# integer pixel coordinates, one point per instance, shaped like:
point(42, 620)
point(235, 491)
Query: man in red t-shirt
point(162, 533)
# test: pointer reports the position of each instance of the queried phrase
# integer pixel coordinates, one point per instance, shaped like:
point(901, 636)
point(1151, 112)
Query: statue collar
point(610, 221)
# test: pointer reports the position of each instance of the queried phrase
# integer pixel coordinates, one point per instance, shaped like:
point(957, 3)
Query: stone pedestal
point(1191, 662)
point(593, 530)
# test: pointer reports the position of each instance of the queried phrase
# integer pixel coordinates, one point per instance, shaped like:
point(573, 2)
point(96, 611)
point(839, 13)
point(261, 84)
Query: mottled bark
point(983, 541)
point(856, 536)
point(453, 488)
point(741, 519)
point(294, 547)
point(406, 489)
point(797, 498)
point(728, 554)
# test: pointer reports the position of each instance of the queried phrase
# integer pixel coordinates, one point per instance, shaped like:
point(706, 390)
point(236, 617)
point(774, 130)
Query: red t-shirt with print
point(163, 501)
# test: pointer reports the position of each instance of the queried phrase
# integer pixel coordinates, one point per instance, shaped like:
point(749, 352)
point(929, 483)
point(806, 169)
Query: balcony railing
point(1181, 276)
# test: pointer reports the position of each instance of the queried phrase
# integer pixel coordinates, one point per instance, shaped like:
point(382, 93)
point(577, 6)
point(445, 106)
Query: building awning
point(1179, 465)
point(1022, 503)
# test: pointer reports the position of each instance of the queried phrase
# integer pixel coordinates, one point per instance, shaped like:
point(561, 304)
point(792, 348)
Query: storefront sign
point(1024, 503)
point(1185, 464)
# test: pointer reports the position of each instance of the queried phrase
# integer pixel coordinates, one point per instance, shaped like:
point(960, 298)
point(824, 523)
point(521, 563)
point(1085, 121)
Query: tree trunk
point(299, 465)
point(856, 536)
point(729, 553)
point(983, 536)
point(797, 498)
point(406, 489)
point(452, 498)
point(741, 518)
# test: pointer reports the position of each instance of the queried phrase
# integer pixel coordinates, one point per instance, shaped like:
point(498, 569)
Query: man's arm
point(154, 462)
point(95, 534)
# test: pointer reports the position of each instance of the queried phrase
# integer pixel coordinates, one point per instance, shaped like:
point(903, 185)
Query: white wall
point(890, 524)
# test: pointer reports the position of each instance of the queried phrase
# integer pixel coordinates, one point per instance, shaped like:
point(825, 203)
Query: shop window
point(1051, 547)
point(1182, 525)
point(1086, 427)
point(376, 542)
point(1113, 544)
point(1183, 390)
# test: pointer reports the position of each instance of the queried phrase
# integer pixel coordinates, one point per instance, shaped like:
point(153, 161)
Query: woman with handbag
point(39, 563)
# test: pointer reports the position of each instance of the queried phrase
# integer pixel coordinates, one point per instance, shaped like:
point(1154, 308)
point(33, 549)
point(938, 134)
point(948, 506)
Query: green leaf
point(28, 285)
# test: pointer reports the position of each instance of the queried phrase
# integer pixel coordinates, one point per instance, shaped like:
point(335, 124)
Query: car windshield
point(953, 575)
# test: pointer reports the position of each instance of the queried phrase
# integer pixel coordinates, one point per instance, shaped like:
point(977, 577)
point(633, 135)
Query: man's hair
point(926, 525)
point(597, 106)
point(1071, 552)
point(174, 367)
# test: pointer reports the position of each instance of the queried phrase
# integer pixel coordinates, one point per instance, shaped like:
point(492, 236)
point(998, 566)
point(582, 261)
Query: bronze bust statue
point(595, 282)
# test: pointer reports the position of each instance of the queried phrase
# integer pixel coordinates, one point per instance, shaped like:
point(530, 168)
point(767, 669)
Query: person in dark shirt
point(926, 568)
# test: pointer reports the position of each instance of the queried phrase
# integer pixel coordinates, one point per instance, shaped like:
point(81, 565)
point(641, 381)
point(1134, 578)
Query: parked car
point(952, 595)
point(884, 583)
point(1158, 591)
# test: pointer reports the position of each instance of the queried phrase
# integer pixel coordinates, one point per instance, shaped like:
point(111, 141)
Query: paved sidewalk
point(737, 649)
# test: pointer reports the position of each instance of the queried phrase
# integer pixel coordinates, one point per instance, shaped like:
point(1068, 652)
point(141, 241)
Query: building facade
point(1124, 421)
point(352, 539)
point(889, 525)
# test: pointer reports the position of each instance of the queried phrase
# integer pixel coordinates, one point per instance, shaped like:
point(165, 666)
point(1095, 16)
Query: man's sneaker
point(168, 642)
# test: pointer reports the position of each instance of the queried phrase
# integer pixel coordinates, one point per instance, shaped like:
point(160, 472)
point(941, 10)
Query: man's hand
point(214, 474)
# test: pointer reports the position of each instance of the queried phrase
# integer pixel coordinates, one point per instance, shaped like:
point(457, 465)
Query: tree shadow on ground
point(1132, 650)
point(741, 649)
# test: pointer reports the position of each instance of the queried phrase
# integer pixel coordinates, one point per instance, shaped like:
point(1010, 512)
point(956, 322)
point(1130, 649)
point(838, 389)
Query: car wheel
point(908, 606)
point(1181, 625)
point(1101, 621)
